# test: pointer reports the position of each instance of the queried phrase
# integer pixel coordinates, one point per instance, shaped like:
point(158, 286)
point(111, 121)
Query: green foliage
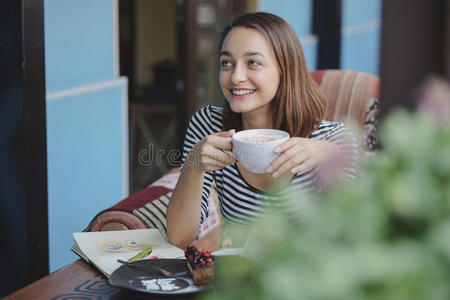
point(386, 236)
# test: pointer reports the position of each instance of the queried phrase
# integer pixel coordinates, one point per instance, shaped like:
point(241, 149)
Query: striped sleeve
point(347, 141)
point(200, 126)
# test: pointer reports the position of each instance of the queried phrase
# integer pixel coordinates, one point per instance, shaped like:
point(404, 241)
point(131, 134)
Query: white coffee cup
point(254, 148)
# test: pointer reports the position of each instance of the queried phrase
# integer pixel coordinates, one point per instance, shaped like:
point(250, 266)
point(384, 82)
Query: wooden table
point(79, 280)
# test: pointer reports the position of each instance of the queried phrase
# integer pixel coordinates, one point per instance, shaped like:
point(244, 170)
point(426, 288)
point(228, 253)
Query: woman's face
point(249, 75)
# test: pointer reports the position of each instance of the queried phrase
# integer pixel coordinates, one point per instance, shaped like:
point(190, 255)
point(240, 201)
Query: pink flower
point(434, 99)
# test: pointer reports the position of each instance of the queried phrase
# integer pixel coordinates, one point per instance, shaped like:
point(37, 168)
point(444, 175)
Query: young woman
point(265, 80)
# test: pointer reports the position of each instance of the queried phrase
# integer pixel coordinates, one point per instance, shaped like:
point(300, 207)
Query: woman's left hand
point(300, 154)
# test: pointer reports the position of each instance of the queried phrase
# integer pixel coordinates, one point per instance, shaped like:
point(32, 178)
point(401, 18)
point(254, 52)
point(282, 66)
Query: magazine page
point(105, 247)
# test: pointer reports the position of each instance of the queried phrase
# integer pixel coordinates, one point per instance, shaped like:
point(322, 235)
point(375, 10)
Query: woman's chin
point(238, 107)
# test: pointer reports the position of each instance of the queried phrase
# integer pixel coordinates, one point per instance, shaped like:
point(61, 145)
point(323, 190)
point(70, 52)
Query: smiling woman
point(249, 75)
point(266, 83)
point(276, 45)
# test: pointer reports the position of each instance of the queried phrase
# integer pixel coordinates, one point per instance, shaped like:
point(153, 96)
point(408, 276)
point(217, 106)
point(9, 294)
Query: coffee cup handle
point(228, 151)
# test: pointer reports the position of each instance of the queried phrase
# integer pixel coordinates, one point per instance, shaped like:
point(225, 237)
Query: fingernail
point(276, 174)
point(269, 169)
point(277, 149)
point(293, 171)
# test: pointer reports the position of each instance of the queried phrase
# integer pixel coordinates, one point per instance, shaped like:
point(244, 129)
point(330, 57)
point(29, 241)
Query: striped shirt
point(239, 202)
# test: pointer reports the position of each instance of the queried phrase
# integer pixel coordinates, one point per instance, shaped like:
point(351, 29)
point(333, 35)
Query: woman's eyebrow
point(253, 53)
point(250, 53)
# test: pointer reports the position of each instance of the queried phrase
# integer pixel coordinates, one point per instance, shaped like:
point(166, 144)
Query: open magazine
point(104, 248)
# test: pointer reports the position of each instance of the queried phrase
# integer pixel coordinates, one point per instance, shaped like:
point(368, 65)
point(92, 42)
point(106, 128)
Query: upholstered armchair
point(350, 96)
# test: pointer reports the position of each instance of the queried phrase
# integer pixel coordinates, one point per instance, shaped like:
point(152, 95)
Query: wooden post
point(412, 47)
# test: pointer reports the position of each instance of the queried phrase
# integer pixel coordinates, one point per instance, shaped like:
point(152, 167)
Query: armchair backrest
point(352, 95)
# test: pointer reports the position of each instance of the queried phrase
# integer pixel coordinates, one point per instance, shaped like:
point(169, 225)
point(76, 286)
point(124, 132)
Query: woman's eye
point(253, 63)
point(225, 64)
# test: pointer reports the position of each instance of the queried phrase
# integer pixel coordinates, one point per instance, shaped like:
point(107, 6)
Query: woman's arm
point(184, 210)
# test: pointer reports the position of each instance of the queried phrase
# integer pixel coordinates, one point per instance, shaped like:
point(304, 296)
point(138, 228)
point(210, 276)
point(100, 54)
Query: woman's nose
point(238, 74)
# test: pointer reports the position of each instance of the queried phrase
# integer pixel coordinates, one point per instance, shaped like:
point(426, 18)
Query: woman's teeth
point(242, 92)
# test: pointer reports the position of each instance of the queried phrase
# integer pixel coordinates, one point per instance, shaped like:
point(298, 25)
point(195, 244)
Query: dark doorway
point(168, 51)
point(23, 157)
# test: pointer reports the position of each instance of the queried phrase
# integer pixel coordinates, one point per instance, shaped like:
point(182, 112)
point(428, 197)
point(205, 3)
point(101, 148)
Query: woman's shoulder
point(210, 116)
point(327, 127)
point(209, 109)
point(330, 124)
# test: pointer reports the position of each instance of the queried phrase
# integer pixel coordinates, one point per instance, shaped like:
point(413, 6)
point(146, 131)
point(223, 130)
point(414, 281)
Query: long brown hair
point(298, 106)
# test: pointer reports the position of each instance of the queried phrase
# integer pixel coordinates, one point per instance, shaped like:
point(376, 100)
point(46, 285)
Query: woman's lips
point(241, 93)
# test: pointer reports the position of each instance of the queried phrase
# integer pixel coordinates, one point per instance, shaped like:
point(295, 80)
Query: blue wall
point(79, 42)
point(87, 124)
point(298, 13)
point(361, 22)
point(360, 37)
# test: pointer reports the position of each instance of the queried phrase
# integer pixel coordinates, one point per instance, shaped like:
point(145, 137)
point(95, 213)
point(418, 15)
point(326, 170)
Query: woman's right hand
point(207, 154)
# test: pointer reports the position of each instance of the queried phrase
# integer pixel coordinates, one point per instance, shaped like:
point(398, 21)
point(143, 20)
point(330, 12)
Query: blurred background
point(96, 96)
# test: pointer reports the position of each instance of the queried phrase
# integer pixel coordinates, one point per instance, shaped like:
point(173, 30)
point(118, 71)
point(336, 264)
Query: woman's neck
point(257, 119)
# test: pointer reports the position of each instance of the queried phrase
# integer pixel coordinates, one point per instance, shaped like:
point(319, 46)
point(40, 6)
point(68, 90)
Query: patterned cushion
point(153, 214)
point(148, 208)
point(370, 138)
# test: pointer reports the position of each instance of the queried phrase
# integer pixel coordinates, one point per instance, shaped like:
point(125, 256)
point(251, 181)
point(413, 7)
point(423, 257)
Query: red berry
point(202, 263)
point(209, 260)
